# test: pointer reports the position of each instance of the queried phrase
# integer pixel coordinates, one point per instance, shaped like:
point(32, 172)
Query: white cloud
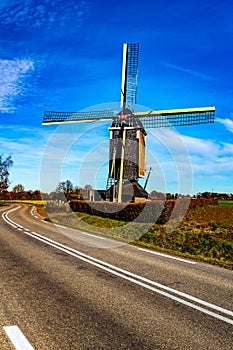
point(204, 152)
point(212, 164)
point(13, 75)
point(176, 154)
point(189, 71)
point(203, 148)
point(29, 14)
point(167, 140)
point(228, 123)
point(26, 145)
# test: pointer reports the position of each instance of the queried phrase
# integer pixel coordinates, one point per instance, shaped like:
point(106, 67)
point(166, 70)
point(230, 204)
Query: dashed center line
point(17, 338)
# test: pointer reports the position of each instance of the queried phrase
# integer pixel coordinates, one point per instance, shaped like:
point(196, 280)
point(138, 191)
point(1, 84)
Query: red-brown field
point(205, 233)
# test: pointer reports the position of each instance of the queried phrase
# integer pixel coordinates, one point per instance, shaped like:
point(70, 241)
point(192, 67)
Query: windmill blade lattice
point(51, 117)
point(129, 74)
point(176, 117)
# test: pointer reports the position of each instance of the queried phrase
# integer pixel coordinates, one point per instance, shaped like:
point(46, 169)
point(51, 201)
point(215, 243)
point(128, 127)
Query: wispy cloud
point(228, 123)
point(189, 71)
point(31, 14)
point(176, 154)
point(42, 158)
point(14, 79)
point(210, 159)
point(26, 145)
point(22, 140)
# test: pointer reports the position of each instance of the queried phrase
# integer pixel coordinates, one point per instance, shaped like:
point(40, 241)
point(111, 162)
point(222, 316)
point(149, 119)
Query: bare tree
point(18, 191)
point(18, 188)
point(65, 187)
point(5, 164)
point(88, 187)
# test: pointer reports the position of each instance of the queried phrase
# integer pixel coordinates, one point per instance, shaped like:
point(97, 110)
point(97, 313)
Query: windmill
point(127, 130)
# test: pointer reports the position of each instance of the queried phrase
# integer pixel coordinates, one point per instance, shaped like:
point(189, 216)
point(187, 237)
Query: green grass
point(120, 230)
point(225, 202)
point(195, 241)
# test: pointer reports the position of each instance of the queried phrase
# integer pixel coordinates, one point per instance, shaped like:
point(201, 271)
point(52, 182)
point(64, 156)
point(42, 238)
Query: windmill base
point(132, 191)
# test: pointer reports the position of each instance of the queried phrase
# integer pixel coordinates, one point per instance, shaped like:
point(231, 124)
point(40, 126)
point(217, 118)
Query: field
point(225, 202)
point(205, 233)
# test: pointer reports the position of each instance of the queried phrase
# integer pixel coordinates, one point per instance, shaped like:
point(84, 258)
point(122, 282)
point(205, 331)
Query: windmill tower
point(127, 130)
point(127, 135)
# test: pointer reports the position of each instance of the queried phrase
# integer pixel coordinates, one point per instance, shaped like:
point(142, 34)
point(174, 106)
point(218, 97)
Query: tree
point(36, 195)
point(65, 187)
point(18, 191)
point(18, 188)
point(5, 164)
point(88, 187)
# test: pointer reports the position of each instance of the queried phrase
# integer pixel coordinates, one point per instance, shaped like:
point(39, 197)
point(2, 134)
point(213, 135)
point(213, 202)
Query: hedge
point(158, 211)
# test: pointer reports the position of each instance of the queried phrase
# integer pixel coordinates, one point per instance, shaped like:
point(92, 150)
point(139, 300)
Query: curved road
point(63, 289)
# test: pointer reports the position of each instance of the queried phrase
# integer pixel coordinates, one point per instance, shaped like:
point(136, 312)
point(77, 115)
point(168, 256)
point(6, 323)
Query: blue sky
point(66, 55)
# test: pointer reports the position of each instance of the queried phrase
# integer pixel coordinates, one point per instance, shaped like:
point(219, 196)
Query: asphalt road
point(67, 290)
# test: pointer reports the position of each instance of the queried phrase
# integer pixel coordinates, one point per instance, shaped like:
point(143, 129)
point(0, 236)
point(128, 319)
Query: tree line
point(18, 192)
point(65, 190)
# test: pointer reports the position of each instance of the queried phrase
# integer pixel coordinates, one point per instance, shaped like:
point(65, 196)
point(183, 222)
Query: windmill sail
point(51, 117)
point(176, 117)
point(129, 74)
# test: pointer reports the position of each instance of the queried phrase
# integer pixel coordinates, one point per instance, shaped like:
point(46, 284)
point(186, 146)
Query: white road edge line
point(134, 278)
point(17, 338)
point(168, 256)
point(81, 232)
point(70, 228)
point(35, 215)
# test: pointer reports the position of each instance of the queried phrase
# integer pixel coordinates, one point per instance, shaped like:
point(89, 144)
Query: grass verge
point(123, 231)
point(205, 234)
